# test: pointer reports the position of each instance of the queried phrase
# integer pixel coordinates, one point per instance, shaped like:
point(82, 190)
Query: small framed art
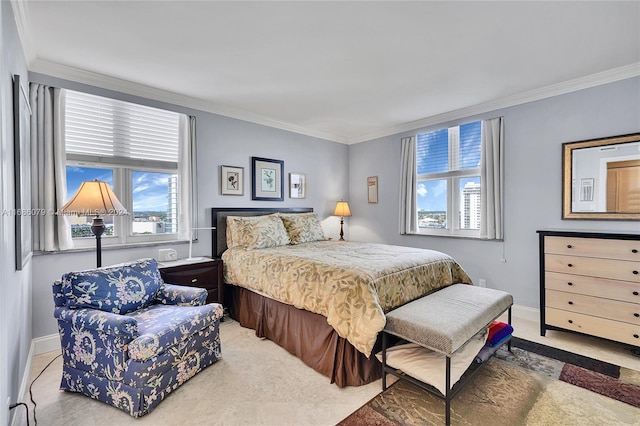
point(297, 185)
point(266, 182)
point(232, 180)
point(372, 189)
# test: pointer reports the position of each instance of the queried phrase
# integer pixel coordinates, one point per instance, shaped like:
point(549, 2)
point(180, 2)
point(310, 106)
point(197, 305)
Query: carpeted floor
point(533, 385)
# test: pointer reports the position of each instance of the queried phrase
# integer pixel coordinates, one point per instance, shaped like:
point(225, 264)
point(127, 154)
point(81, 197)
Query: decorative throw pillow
point(303, 227)
point(118, 289)
point(259, 232)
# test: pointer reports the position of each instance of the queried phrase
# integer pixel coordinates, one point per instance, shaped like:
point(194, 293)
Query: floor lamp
point(95, 198)
point(342, 210)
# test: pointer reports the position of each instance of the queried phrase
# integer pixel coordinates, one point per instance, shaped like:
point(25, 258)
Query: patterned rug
point(533, 385)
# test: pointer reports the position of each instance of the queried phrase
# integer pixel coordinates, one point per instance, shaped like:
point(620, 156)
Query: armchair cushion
point(161, 327)
point(119, 289)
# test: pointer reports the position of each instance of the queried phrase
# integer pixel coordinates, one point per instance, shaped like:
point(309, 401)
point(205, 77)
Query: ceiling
point(344, 71)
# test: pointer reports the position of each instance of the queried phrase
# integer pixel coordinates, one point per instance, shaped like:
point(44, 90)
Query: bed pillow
point(259, 232)
point(233, 224)
point(303, 227)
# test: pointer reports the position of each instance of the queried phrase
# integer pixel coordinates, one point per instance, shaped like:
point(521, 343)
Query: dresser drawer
point(594, 306)
point(589, 266)
point(608, 329)
point(593, 247)
point(601, 287)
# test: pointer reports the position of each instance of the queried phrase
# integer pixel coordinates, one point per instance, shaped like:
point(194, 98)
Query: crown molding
point(78, 75)
point(23, 23)
point(100, 80)
point(604, 77)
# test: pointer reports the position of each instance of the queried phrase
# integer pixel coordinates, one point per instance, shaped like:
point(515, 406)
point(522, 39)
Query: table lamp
point(342, 210)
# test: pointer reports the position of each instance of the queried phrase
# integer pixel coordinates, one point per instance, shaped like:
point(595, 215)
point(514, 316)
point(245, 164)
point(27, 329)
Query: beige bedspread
point(351, 284)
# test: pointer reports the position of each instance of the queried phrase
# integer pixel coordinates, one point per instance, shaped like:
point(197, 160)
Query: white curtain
point(187, 177)
point(408, 223)
point(492, 179)
point(48, 168)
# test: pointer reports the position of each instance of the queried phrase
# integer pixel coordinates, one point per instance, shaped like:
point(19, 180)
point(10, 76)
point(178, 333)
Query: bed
point(323, 301)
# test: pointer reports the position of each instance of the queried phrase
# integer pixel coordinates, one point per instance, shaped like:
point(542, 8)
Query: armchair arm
point(172, 294)
point(95, 341)
point(94, 319)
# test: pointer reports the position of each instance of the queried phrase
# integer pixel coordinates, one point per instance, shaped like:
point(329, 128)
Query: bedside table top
point(185, 261)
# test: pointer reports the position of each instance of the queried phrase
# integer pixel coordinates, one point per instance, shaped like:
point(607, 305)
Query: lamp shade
point(342, 209)
point(94, 198)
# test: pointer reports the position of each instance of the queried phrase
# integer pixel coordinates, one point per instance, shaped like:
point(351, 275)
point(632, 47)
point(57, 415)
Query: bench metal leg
point(448, 396)
point(384, 361)
point(509, 321)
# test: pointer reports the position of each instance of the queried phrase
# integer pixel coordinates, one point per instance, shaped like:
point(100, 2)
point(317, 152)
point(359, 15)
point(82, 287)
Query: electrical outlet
point(482, 282)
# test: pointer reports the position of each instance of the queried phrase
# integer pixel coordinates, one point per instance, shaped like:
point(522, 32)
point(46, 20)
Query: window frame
point(123, 168)
point(452, 178)
point(123, 225)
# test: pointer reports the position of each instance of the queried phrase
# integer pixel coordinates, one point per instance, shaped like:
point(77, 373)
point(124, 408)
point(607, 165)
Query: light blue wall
point(15, 286)
point(220, 141)
point(534, 133)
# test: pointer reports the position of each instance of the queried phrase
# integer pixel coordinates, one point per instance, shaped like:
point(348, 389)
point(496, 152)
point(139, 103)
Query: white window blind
point(107, 130)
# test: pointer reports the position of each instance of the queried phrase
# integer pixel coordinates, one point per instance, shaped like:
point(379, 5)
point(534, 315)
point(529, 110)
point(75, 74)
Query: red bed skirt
point(305, 335)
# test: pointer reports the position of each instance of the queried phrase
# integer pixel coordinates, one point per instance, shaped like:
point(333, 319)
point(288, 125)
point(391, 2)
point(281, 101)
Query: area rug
point(532, 385)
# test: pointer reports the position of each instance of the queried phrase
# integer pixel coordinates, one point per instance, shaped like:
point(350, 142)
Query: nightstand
point(200, 272)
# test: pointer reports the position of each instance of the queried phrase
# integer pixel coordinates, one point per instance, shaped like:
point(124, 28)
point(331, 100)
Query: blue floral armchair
point(128, 338)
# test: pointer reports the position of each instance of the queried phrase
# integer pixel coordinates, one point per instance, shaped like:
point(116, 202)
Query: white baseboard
point(525, 312)
point(44, 344)
point(39, 345)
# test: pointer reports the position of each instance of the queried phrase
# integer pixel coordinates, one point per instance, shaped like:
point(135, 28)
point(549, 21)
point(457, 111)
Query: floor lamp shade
point(95, 198)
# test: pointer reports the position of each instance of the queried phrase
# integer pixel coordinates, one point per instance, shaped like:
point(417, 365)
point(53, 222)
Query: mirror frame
point(567, 178)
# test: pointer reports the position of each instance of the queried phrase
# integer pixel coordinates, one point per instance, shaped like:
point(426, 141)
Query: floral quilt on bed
point(351, 284)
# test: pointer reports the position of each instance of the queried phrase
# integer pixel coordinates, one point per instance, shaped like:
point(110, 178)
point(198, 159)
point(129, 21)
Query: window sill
point(113, 247)
point(463, 237)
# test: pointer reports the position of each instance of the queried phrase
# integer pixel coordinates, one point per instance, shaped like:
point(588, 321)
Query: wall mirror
point(601, 178)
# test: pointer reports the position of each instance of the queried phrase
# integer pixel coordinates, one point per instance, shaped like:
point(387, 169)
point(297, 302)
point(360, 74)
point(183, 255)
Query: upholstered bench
point(443, 322)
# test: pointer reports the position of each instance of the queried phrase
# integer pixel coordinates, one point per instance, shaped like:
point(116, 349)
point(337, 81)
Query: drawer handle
point(635, 293)
point(636, 315)
point(636, 336)
point(569, 283)
point(195, 280)
point(570, 321)
point(634, 251)
point(635, 272)
point(569, 246)
point(570, 265)
point(570, 302)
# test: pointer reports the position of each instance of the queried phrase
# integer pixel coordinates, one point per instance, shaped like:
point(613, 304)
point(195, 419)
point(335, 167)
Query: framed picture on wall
point(266, 182)
point(372, 189)
point(297, 185)
point(232, 180)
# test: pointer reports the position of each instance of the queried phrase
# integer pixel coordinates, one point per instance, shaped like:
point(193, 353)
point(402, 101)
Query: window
point(135, 149)
point(448, 181)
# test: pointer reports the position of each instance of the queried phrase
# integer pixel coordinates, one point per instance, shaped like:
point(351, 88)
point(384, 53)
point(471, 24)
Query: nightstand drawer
point(201, 277)
point(206, 275)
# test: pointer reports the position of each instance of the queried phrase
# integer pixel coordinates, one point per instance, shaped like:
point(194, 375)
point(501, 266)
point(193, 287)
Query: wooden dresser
point(590, 284)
